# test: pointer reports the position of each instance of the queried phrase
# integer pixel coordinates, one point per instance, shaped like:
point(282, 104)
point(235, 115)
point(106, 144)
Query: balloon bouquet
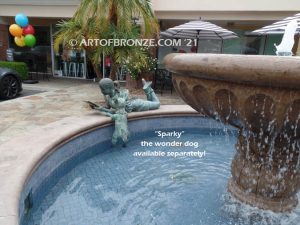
point(22, 31)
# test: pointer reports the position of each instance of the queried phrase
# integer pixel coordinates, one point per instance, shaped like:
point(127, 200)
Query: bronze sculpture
point(118, 104)
point(120, 117)
point(111, 89)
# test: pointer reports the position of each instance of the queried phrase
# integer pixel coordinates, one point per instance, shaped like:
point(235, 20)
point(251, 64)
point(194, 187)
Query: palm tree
point(109, 19)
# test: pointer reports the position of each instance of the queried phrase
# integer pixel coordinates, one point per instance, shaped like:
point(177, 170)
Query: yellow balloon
point(20, 41)
point(15, 30)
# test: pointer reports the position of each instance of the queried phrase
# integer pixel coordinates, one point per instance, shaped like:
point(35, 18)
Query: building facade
point(241, 16)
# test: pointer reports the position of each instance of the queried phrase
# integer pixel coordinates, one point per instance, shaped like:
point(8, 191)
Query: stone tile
point(33, 97)
point(65, 98)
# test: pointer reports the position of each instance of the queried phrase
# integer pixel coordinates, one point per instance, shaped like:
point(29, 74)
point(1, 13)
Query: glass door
point(70, 63)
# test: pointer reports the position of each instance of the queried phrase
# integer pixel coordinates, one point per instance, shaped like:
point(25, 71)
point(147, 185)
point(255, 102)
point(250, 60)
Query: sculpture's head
point(107, 87)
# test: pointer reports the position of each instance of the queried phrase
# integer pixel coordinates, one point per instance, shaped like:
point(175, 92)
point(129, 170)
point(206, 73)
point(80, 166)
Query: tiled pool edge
point(14, 170)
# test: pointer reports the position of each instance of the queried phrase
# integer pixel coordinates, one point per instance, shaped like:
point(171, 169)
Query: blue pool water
point(120, 186)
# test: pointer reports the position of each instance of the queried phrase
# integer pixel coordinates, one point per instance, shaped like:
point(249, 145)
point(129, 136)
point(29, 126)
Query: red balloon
point(28, 30)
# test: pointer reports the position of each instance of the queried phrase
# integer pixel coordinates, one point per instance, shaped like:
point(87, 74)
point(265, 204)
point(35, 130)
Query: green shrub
point(141, 63)
point(20, 67)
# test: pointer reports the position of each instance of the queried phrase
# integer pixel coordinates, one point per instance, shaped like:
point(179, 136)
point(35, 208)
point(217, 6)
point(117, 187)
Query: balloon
point(21, 20)
point(15, 30)
point(30, 40)
point(20, 41)
point(28, 30)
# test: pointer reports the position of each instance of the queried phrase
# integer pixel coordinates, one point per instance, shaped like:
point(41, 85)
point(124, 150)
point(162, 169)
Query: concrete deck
point(60, 98)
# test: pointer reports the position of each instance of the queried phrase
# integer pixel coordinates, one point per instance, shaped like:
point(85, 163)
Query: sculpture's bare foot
point(146, 85)
point(114, 143)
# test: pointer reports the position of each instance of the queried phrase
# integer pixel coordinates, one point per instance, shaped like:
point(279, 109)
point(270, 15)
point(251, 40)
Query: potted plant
point(142, 66)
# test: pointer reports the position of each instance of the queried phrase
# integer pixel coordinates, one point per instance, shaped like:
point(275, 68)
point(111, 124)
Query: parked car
point(10, 84)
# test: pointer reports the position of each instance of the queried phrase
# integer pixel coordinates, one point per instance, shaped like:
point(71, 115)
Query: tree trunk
point(113, 70)
point(97, 71)
point(96, 67)
point(113, 18)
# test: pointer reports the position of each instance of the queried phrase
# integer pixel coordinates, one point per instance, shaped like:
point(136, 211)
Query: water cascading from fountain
point(259, 95)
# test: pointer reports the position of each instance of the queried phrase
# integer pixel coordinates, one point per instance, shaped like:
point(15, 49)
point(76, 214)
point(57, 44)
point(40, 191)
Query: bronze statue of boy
point(111, 89)
point(118, 105)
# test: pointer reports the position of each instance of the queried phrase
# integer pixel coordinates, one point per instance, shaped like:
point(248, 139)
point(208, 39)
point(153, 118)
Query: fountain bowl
point(259, 95)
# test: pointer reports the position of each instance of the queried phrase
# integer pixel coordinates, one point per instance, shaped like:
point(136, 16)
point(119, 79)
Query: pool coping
point(14, 171)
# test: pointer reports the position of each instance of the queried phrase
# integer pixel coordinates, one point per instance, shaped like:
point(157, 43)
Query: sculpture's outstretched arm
point(112, 116)
point(107, 114)
point(99, 107)
point(105, 110)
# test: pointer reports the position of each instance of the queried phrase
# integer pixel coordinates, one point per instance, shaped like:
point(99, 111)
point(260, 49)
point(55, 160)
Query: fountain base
point(260, 96)
point(262, 179)
point(276, 205)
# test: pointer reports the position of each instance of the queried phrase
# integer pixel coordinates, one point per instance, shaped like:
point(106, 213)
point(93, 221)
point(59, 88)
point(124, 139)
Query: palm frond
point(108, 19)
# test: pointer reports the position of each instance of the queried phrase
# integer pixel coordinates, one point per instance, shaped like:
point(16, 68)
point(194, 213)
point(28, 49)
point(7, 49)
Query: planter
point(137, 84)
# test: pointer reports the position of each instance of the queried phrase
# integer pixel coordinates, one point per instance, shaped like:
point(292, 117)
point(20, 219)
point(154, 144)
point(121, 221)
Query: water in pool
point(121, 187)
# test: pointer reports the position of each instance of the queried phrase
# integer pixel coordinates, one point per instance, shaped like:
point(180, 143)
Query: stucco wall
point(228, 5)
point(3, 41)
point(257, 10)
point(167, 9)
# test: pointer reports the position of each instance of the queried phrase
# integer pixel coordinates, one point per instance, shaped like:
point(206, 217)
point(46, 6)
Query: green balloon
point(30, 40)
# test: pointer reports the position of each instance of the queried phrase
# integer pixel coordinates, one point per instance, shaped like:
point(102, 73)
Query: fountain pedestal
point(266, 181)
point(259, 95)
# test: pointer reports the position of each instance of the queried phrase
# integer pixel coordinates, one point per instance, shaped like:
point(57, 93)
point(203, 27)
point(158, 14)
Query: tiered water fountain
point(259, 95)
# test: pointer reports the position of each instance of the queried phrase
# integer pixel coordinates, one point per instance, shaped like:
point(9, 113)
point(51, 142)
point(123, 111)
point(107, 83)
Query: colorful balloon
point(21, 20)
point(15, 30)
point(30, 40)
point(20, 41)
point(28, 30)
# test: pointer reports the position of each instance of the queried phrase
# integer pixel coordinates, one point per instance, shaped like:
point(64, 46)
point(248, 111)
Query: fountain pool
point(85, 181)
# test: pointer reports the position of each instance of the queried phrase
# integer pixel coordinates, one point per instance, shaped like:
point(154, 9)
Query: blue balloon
point(21, 20)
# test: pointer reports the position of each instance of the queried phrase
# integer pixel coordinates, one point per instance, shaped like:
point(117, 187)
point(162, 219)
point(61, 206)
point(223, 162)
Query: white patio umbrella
point(279, 26)
point(199, 30)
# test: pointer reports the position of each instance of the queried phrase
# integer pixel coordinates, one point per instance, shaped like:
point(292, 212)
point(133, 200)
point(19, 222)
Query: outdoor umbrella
point(279, 27)
point(199, 30)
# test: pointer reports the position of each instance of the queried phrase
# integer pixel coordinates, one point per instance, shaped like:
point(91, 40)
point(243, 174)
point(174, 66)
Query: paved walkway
point(60, 98)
